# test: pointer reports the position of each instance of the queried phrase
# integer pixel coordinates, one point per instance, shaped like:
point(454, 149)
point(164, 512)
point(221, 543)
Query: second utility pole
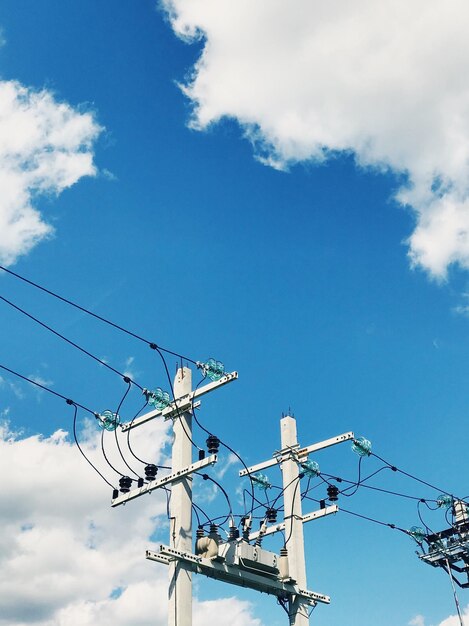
point(180, 578)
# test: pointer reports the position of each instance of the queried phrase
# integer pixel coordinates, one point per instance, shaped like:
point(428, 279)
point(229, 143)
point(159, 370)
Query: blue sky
point(307, 264)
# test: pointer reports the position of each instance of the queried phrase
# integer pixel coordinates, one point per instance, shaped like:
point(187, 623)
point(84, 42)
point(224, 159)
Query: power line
point(55, 393)
point(151, 344)
point(72, 343)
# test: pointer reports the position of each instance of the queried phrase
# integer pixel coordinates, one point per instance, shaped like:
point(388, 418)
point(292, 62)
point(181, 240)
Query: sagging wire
point(215, 482)
point(291, 524)
point(129, 383)
point(151, 344)
point(168, 376)
point(225, 445)
point(75, 406)
point(397, 469)
point(69, 341)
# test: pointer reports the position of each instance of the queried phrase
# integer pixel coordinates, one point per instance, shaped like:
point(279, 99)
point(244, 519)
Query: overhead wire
point(151, 344)
point(49, 390)
point(81, 450)
point(69, 341)
point(115, 430)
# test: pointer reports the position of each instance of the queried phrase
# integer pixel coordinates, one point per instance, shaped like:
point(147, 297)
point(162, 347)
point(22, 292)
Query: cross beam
point(237, 576)
point(161, 482)
point(181, 404)
point(309, 517)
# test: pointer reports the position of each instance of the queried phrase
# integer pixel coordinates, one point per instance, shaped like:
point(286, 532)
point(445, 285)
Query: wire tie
point(126, 379)
point(69, 402)
point(153, 346)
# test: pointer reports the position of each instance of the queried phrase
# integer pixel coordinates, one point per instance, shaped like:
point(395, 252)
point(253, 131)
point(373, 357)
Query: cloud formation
point(45, 147)
point(66, 557)
point(385, 81)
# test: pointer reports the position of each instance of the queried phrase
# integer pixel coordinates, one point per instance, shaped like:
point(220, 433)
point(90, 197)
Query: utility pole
point(180, 577)
point(292, 459)
point(298, 610)
point(180, 541)
point(237, 560)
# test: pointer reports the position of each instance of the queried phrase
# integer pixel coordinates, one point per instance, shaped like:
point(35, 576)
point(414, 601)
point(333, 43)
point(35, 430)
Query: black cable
point(396, 469)
point(380, 489)
point(80, 448)
point(168, 376)
point(291, 523)
point(152, 345)
point(115, 430)
point(225, 445)
point(375, 521)
point(356, 486)
point(69, 341)
point(215, 482)
point(55, 393)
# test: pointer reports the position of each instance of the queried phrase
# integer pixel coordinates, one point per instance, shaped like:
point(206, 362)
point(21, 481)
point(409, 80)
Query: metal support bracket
point(180, 405)
point(161, 482)
point(300, 454)
point(309, 517)
point(237, 576)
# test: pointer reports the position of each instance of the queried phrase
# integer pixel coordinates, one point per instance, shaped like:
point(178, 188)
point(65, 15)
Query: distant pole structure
point(180, 577)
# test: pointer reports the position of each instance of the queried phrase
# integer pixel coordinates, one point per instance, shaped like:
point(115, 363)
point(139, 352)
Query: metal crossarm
point(298, 453)
point(309, 517)
point(180, 405)
point(237, 576)
point(161, 482)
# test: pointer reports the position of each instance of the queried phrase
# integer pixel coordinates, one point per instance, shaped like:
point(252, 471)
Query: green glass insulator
point(214, 369)
point(310, 468)
point(417, 533)
point(261, 481)
point(444, 501)
point(159, 399)
point(362, 446)
point(108, 420)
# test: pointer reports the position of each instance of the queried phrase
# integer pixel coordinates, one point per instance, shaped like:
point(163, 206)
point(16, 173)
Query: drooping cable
point(215, 482)
point(179, 416)
point(129, 385)
point(152, 345)
point(225, 445)
point(397, 469)
point(292, 515)
point(69, 341)
point(80, 448)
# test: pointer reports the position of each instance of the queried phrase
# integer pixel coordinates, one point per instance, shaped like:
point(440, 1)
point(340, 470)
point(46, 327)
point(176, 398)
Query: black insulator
point(200, 532)
point(150, 471)
point(124, 484)
point(322, 504)
point(234, 533)
point(271, 515)
point(213, 444)
point(333, 493)
point(140, 482)
point(115, 494)
point(201, 455)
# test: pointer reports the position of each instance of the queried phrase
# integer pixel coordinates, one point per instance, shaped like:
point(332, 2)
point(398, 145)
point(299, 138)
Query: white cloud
point(45, 147)
point(452, 620)
point(386, 81)
point(66, 557)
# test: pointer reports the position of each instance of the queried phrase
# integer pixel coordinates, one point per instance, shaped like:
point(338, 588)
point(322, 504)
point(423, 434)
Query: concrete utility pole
point(298, 610)
point(180, 578)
